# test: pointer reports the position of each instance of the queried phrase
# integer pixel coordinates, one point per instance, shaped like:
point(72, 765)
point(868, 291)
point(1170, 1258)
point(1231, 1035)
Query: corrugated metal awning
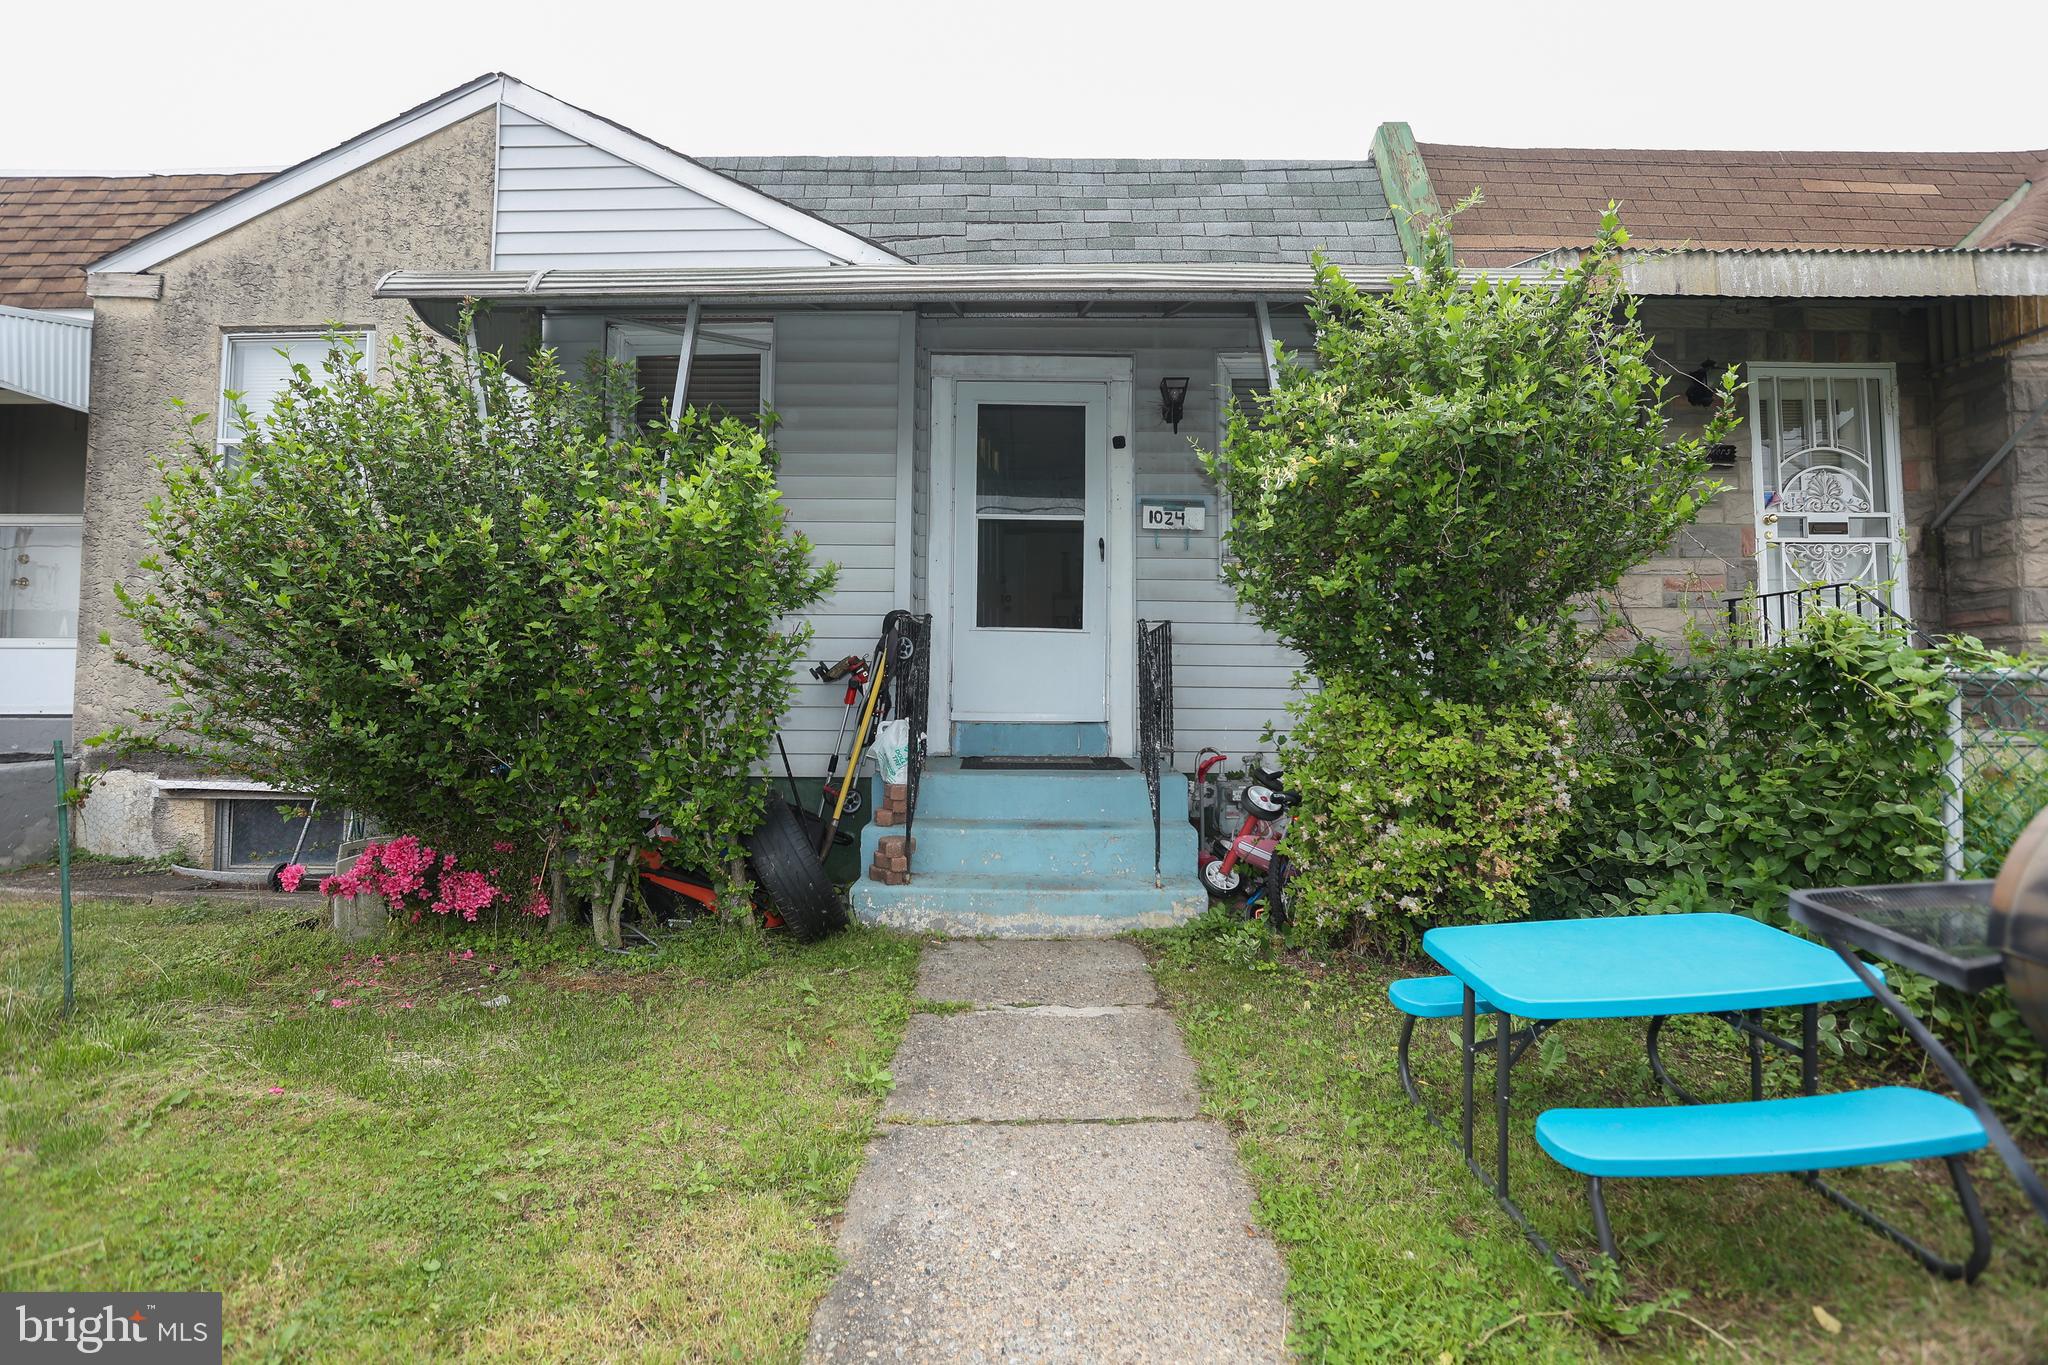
point(1752, 273)
point(46, 355)
point(1224, 282)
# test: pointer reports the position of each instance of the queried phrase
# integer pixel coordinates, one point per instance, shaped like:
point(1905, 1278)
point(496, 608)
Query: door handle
point(1101, 550)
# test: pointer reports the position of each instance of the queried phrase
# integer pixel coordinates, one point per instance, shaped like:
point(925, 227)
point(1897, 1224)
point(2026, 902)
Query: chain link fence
point(1998, 770)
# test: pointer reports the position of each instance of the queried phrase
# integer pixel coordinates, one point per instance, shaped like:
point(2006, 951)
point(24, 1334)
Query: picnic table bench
point(1653, 967)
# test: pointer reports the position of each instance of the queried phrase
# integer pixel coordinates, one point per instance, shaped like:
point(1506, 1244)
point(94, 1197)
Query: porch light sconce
point(1700, 392)
point(1173, 401)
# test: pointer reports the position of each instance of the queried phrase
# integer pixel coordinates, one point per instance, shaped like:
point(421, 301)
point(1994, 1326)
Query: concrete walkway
point(1042, 1189)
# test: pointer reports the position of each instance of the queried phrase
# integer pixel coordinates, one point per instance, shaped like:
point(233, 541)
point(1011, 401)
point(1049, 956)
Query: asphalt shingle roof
point(1037, 211)
point(53, 226)
point(1536, 199)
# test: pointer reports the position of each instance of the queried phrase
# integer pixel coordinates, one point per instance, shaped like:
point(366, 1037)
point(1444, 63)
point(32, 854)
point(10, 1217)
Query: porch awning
point(2004, 272)
point(46, 355)
point(1231, 282)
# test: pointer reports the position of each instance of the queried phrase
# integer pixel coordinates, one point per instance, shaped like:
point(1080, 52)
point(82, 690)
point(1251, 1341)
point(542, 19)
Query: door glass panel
point(1030, 460)
point(1030, 508)
point(39, 589)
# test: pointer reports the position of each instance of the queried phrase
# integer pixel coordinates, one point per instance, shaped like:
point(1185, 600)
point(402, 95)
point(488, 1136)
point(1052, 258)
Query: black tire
point(786, 868)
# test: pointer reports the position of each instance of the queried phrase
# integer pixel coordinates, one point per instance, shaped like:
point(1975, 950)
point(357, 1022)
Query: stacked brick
point(891, 866)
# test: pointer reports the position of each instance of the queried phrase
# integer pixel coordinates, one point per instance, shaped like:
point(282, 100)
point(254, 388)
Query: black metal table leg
point(2001, 1140)
point(1756, 1054)
point(1470, 1030)
point(1501, 1064)
point(1809, 1050)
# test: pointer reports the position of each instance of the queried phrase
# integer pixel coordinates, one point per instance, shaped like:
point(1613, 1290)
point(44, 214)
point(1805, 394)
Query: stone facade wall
point(309, 263)
point(1993, 560)
point(1716, 557)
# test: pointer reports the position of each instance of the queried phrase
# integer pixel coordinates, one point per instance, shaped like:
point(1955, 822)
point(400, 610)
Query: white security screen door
point(1030, 604)
point(1825, 445)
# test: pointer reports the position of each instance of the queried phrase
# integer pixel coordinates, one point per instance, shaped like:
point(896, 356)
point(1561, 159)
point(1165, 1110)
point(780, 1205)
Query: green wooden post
point(64, 868)
point(1405, 179)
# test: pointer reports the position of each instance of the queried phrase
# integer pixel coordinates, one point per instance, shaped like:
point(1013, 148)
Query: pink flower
point(501, 846)
point(291, 875)
point(340, 1003)
point(405, 1004)
point(277, 1090)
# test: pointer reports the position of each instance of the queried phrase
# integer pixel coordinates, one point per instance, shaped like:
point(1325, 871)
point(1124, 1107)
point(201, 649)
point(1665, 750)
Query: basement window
point(263, 831)
point(256, 367)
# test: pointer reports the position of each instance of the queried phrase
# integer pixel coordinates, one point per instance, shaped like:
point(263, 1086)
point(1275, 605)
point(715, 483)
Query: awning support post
point(1266, 347)
point(677, 401)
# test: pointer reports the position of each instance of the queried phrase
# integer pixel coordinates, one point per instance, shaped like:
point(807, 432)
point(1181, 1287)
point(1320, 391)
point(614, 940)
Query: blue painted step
point(1037, 855)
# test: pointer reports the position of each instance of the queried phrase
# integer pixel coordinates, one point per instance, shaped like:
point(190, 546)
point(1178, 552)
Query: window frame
point(366, 336)
point(631, 338)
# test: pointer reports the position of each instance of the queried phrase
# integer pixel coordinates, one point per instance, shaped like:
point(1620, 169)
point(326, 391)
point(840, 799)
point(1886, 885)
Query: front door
point(1030, 589)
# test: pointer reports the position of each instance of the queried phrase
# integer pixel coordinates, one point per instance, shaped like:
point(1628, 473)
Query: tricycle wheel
point(787, 869)
point(1219, 882)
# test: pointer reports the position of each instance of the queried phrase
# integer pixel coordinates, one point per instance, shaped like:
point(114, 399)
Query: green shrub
point(1430, 505)
point(1729, 782)
point(483, 611)
point(1418, 814)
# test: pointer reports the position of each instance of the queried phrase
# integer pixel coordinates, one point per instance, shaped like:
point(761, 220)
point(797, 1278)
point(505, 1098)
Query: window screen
point(725, 385)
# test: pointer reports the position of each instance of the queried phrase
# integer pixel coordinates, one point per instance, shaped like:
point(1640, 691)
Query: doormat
point(1054, 763)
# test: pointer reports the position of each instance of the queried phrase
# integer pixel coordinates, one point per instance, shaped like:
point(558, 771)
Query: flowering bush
point(482, 607)
point(1419, 815)
point(410, 876)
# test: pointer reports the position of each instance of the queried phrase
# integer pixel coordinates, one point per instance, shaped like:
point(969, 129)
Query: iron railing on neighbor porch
point(1155, 716)
point(1774, 615)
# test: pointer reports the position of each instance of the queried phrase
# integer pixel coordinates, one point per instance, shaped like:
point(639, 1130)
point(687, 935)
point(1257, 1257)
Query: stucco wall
point(1716, 556)
point(309, 263)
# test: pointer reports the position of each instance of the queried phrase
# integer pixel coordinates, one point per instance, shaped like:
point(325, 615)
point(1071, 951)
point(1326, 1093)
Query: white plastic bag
point(892, 751)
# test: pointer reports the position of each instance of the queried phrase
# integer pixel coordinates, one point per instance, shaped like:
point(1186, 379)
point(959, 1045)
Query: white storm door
point(39, 612)
point(1030, 589)
point(1826, 454)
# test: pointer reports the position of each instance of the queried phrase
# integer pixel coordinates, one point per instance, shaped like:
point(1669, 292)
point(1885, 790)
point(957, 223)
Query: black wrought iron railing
point(1155, 717)
point(910, 665)
point(1774, 615)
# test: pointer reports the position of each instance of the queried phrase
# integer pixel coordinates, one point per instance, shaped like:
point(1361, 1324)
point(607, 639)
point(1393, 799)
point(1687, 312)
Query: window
point(265, 831)
point(732, 367)
point(257, 367)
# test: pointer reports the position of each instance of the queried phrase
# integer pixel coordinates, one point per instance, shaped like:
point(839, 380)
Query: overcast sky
point(180, 84)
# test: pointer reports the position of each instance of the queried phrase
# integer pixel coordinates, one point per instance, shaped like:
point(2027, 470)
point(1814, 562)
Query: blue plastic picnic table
point(1638, 966)
point(1629, 967)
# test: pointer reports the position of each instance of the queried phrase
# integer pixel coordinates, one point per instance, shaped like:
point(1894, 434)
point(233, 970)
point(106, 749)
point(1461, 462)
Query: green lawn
point(1395, 1253)
point(533, 1152)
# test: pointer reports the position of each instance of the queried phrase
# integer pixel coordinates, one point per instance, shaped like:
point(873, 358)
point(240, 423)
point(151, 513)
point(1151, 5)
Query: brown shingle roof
point(1536, 199)
point(53, 226)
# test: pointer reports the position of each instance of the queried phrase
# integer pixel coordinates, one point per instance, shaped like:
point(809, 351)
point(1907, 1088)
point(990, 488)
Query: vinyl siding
point(1231, 679)
point(836, 391)
point(564, 203)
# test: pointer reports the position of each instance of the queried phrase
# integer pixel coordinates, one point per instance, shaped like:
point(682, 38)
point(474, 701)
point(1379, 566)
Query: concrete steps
point(1010, 854)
